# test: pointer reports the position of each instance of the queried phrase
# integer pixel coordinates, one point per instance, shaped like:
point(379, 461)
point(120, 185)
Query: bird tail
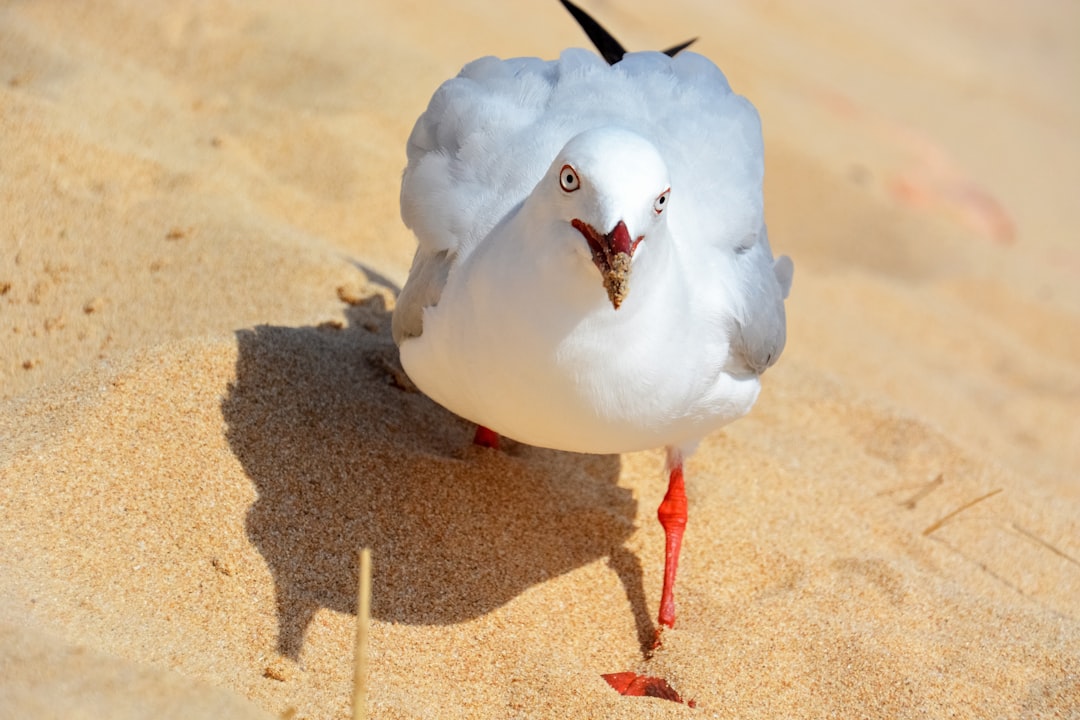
point(610, 48)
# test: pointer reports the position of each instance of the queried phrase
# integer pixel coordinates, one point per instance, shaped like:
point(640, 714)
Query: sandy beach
point(203, 417)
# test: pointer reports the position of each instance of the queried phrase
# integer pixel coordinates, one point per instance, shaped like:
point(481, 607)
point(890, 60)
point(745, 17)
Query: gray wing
point(427, 277)
point(761, 326)
point(467, 168)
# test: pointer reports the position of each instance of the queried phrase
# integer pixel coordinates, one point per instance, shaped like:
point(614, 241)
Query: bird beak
point(611, 254)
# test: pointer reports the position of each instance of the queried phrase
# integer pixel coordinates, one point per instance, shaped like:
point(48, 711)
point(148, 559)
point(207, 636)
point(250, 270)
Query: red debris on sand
point(630, 683)
point(486, 438)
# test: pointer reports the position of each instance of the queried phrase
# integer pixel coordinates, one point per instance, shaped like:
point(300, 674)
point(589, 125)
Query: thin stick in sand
point(959, 510)
point(363, 623)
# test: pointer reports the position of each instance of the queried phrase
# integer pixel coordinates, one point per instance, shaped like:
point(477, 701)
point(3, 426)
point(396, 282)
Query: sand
point(202, 417)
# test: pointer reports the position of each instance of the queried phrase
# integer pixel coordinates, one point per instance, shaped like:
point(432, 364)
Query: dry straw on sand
point(363, 624)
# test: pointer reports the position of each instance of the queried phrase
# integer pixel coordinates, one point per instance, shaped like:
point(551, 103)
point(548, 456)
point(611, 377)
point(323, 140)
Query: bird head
point(613, 190)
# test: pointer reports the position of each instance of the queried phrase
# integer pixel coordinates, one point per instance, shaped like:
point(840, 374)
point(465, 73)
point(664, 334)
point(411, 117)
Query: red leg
point(486, 438)
point(672, 515)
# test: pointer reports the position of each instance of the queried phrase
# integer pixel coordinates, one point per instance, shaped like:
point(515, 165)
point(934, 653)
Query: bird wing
point(713, 149)
point(473, 154)
point(489, 135)
point(760, 323)
point(427, 277)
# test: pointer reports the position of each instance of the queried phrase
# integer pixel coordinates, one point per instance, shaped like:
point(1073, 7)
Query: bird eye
point(568, 179)
point(661, 201)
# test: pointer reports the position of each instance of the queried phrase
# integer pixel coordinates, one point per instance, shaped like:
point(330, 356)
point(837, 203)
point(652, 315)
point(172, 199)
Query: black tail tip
point(609, 48)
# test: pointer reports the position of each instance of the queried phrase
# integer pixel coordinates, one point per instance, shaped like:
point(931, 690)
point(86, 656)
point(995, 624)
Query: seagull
point(593, 272)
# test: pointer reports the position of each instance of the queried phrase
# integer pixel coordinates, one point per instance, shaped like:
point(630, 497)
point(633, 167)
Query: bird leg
point(672, 515)
point(486, 438)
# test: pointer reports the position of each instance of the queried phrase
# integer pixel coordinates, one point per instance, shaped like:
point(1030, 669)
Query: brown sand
point(201, 419)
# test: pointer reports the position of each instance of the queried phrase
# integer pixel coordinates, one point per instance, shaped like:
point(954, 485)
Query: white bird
point(593, 272)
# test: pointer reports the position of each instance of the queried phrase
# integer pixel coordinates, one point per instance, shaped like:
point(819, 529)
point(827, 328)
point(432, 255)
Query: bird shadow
point(344, 453)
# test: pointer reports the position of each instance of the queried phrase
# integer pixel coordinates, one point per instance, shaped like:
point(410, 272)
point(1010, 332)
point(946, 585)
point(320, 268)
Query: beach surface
point(203, 417)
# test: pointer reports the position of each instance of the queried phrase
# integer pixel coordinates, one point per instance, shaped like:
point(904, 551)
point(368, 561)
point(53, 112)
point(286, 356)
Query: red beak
point(611, 254)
